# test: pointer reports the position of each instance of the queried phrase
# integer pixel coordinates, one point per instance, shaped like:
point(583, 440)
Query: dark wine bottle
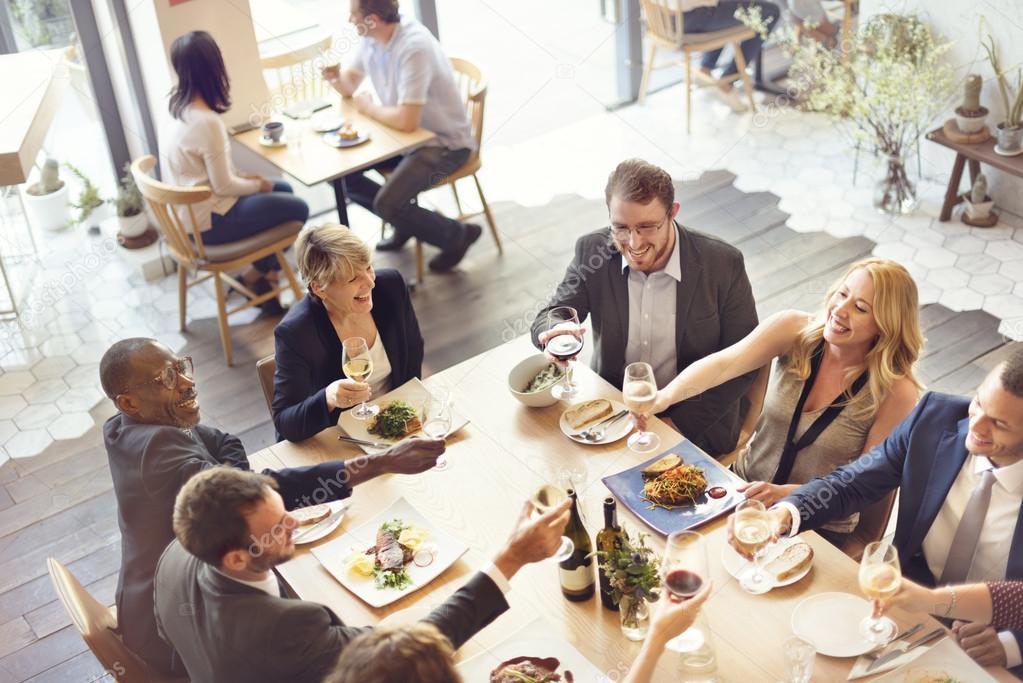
point(576, 573)
point(609, 539)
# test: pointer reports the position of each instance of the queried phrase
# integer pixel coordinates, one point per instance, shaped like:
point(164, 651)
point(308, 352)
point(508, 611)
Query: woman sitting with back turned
point(842, 382)
point(195, 150)
point(310, 390)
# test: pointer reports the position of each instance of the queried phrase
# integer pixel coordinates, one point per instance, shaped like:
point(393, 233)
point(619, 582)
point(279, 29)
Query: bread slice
point(793, 560)
point(658, 468)
point(311, 514)
point(588, 412)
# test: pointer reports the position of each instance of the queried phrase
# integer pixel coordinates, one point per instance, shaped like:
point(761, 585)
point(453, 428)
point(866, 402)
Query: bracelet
point(952, 602)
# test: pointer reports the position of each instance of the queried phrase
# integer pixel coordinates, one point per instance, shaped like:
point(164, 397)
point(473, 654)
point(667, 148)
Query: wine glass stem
point(568, 376)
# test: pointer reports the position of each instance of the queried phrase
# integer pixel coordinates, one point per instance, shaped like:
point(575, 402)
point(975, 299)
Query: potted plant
point(633, 572)
point(89, 198)
point(1009, 131)
point(978, 205)
point(46, 200)
point(970, 115)
point(131, 215)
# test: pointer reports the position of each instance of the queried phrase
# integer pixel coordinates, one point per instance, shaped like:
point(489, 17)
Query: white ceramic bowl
point(520, 377)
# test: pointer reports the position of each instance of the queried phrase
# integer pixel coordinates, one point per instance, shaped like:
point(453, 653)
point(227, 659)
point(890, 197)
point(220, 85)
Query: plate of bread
point(612, 417)
point(787, 561)
point(317, 521)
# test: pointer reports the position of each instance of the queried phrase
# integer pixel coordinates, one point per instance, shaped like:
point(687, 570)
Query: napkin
point(859, 669)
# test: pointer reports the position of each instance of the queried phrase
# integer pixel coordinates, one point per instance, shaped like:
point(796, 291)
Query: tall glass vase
point(895, 194)
point(635, 617)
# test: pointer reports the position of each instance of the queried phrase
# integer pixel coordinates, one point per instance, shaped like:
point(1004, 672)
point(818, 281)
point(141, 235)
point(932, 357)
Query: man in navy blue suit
point(959, 465)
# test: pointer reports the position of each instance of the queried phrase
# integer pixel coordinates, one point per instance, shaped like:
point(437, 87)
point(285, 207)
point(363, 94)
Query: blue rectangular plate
point(627, 487)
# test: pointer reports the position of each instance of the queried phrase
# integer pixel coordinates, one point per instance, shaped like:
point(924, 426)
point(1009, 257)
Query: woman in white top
point(196, 151)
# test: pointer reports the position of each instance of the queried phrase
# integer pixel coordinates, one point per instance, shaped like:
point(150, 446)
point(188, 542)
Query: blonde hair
point(899, 342)
point(419, 653)
point(330, 251)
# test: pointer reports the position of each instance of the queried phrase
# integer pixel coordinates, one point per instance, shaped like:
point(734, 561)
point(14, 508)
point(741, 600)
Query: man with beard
point(155, 444)
point(220, 605)
point(663, 294)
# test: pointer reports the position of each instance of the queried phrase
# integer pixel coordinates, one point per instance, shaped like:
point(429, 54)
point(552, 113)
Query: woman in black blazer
point(346, 299)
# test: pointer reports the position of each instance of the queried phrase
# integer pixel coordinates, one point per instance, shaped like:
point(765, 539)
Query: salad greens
point(392, 421)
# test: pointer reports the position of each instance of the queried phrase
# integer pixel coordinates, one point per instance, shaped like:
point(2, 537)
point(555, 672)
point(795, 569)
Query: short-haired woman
point(195, 150)
point(346, 299)
point(843, 380)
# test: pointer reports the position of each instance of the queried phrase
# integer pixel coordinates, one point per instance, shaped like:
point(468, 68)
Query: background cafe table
point(495, 464)
point(312, 161)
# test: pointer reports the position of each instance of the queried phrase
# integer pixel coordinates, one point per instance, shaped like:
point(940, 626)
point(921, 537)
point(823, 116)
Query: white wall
point(966, 23)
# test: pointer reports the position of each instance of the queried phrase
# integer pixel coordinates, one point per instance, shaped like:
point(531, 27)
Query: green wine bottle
point(576, 573)
point(609, 539)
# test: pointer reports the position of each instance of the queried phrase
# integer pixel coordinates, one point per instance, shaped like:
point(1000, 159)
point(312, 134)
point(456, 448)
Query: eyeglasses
point(622, 234)
point(168, 377)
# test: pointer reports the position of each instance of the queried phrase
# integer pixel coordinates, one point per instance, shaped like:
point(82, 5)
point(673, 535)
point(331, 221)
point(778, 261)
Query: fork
point(596, 432)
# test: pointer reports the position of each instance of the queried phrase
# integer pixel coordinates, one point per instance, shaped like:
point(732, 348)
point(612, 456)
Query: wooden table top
point(311, 160)
point(983, 152)
point(33, 84)
point(495, 463)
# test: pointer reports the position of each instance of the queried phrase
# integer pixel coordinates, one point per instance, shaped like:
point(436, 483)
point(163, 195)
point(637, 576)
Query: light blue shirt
point(652, 313)
point(412, 68)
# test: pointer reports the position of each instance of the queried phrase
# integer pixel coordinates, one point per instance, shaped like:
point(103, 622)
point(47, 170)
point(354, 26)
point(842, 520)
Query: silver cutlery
point(362, 442)
point(322, 524)
point(591, 433)
point(898, 652)
point(884, 649)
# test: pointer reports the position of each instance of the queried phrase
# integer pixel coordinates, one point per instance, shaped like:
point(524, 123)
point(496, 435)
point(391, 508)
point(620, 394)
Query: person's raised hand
point(766, 493)
point(912, 597)
point(345, 393)
point(412, 456)
point(672, 617)
point(363, 103)
point(331, 72)
point(533, 540)
point(781, 523)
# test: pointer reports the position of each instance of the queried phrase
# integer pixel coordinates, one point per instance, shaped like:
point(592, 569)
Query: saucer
point(267, 142)
point(999, 152)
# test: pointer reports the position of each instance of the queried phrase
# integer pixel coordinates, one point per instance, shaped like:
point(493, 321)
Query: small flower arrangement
point(632, 569)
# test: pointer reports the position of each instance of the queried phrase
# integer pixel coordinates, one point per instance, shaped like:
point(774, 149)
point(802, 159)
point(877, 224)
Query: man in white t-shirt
point(416, 87)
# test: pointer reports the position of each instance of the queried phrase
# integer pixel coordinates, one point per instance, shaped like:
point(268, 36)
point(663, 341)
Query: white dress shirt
point(652, 313)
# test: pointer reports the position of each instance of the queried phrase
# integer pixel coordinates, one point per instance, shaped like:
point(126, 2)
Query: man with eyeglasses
point(155, 444)
point(659, 293)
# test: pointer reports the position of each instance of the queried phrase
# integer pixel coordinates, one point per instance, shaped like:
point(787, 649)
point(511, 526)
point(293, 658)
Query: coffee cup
point(273, 131)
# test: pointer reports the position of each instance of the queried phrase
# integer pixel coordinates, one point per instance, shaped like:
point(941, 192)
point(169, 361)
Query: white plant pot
point(48, 211)
point(979, 211)
point(133, 226)
point(970, 124)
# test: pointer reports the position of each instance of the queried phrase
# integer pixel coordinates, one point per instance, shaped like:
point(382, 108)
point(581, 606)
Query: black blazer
point(308, 355)
point(228, 632)
point(714, 308)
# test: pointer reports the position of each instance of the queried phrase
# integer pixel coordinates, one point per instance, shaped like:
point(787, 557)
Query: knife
point(362, 442)
point(604, 422)
point(898, 652)
point(323, 523)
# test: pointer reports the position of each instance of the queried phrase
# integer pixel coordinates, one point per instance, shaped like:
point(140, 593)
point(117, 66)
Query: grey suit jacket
point(228, 632)
point(714, 309)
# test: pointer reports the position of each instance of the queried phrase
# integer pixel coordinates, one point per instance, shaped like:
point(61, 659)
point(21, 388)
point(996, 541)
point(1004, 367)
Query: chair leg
point(740, 62)
point(225, 331)
point(648, 67)
point(490, 216)
point(420, 271)
point(458, 203)
point(689, 92)
point(182, 295)
point(289, 273)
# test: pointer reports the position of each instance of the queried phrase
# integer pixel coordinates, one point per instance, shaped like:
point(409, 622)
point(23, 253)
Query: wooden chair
point(184, 241)
point(294, 77)
point(265, 368)
point(473, 87)
point(665, 29)
point(97, 625)
point(871, 527)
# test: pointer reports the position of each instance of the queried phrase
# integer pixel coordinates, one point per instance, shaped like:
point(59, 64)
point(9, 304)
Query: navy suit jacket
point(308, 355)
point(922, 457)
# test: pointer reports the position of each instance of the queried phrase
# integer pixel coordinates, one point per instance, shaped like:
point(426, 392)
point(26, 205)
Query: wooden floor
point(61, 503)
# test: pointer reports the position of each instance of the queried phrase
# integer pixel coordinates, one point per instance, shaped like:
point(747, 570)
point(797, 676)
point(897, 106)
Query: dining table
point(306, 157)
point(494, 464)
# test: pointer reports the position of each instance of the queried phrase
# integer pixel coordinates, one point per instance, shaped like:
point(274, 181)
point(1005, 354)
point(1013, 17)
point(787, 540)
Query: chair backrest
point(96, 623)
point(294, 76)
point(473, 87)
point(871, 527)
point(265, 368)
point(168, 203)
point(664, 20)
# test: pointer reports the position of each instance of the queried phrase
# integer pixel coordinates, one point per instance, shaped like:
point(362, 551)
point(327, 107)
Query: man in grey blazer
point(658, 292)
point(220, 605)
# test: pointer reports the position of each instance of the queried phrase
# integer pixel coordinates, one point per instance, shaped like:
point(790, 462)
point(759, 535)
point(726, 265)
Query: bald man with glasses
point(155, 443)
point(655, 291)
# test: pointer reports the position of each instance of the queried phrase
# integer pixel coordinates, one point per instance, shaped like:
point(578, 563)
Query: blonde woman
point(843, 380)
point(346, 298)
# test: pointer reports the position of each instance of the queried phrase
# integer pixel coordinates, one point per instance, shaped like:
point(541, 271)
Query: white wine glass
point(546, 498)
point(751, 527)
point(357, 365)
point(880, 579)
point(639, 391)
point(437, 421)
point(565, 344)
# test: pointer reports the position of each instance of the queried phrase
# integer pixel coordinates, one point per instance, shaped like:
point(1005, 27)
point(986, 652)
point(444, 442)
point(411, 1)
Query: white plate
point(445, 547)
point(334, 140)
point(412, 392)
point(335, 505)
point(831, 623)
point(616, 431)
point(538, 639)
point(942, 657)
point(267, 142)
point(736, 565)
point(327, 122)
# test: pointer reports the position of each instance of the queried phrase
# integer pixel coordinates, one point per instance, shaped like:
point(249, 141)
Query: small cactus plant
point(979, 192)
point(49, 179)
point(971, 95)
